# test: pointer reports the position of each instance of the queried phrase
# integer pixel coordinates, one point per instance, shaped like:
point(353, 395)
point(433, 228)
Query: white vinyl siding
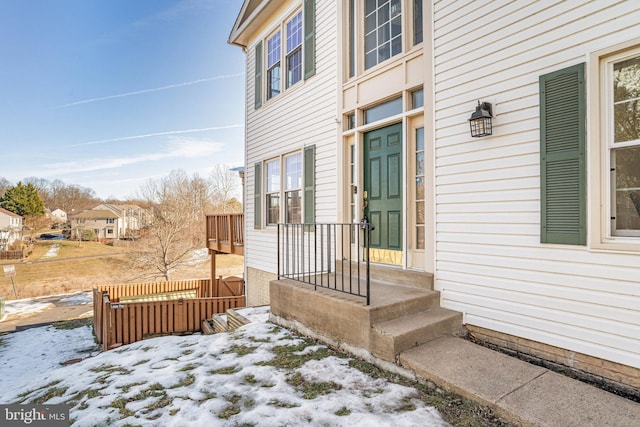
point(490, 263)
point(291, 122)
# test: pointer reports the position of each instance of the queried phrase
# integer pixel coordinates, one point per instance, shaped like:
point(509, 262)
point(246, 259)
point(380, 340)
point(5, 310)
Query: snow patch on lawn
point(259, 375)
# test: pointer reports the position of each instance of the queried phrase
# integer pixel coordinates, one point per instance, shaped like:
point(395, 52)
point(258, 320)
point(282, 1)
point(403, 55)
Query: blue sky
point(109, 93)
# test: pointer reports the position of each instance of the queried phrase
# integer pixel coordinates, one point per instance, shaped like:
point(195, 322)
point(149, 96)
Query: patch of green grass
point(286, 357)
point(208, 395)
point(160, 403)
point(153, 391)
point(280, 404)
point(240, 350)
point(233, 398)
point(275, 330)
point(174, 411)
point(344, 411)
point(145, 349)
point(141, 362)
point(187, 380)
point(50, 394)
point(23, 396)
point(189, 367)
point(225, 371)
point(250, 379)
point(121, 405)
point(407, 406)
point(187, 352)
point(111, 369)
point(229, 412)
point(125, 388)
point(311, 390)
point(261, 340)
point(73, 324)
point(89, 393)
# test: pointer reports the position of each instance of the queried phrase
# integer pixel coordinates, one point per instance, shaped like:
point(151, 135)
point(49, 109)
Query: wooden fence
point(5, 255)
point(123, 322)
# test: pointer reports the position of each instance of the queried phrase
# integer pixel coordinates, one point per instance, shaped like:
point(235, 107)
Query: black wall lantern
point(480, 120)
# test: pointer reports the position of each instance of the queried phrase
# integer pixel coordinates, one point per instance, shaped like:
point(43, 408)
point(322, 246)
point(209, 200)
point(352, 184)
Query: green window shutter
point(562, 157)
point(309, 38)
point(309, 184)
point(257, 196)
point(257, 87)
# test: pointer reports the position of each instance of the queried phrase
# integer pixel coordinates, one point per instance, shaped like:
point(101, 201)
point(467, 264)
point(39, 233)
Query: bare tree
point(4, 184)
point(224, 188)
point(177, 203)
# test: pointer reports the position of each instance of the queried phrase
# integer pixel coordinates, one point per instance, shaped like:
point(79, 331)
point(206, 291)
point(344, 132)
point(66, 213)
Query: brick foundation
point(615, 377)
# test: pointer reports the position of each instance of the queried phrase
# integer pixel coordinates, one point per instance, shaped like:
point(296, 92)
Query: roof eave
point(246, 25)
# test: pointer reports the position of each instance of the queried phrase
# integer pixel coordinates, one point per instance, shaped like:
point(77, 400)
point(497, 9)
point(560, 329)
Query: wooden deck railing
point(225, 233)
point(123, 322)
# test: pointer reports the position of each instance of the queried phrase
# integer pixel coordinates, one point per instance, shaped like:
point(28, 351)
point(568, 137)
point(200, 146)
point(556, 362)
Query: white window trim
point(598, 152)
point(282, 190)
point(282, 29)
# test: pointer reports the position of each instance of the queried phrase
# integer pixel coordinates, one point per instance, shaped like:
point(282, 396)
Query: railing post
point(368, 231)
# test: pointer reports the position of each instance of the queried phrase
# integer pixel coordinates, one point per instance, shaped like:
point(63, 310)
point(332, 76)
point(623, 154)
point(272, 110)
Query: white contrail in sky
point(148, 135)
point(157, 89)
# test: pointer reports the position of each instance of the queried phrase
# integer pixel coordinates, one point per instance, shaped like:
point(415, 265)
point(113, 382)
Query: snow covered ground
point(259, 375)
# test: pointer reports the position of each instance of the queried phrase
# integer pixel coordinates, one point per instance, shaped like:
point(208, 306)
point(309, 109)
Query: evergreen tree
point(22, 200)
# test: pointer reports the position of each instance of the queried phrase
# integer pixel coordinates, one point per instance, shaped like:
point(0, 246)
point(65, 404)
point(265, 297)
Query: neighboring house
point(58, 216)
point(104, 223)
point(10, 228)
point(532, 232)
point(132, 218)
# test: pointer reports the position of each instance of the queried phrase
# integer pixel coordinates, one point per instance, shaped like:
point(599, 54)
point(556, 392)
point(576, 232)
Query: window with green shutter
point(562, 156)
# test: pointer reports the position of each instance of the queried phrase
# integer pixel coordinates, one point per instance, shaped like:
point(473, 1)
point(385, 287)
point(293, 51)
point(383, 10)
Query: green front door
point(383, 192)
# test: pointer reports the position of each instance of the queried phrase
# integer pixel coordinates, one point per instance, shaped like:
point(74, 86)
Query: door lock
point(365, 195)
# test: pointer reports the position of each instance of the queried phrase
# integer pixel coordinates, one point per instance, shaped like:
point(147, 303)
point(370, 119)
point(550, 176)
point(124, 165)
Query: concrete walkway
point(516, 390)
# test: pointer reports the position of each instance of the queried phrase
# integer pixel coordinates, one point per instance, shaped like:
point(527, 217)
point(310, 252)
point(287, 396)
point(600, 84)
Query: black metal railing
point(331, 256)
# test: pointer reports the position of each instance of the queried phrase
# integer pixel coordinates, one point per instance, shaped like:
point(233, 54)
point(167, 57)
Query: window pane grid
point(293, 172)
point(294, 32)
point(273, 66)
point(625, 148)
point(383, 31)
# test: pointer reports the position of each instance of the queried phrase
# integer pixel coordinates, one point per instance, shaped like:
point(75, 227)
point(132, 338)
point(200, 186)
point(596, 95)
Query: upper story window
point(287, 55)
point(292, 54)
point(110, 221)
point(383, 31)
point(273, 65)
point(294, 50)
point(383, 26)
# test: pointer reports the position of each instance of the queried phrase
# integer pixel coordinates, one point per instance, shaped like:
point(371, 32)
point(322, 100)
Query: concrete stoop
point(399, 317)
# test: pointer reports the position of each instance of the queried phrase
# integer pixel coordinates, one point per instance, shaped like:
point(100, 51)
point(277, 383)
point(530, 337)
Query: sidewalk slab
point(556, 400)
point(524, 393)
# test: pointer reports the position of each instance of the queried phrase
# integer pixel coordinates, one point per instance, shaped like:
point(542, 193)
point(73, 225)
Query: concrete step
point(390, 274)
point(392, 337)
point(390, 302)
